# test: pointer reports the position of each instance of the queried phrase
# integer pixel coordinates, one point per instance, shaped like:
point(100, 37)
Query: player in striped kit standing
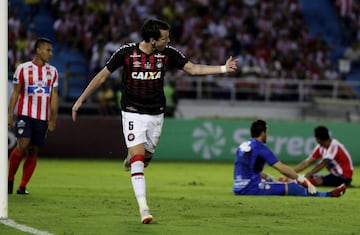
point(143, 101)
point(35, 92)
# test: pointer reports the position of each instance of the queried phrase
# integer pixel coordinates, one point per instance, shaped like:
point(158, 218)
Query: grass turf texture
point(95, 197)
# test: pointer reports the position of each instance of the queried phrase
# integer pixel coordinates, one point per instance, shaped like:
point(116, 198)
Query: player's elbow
point(191, 69)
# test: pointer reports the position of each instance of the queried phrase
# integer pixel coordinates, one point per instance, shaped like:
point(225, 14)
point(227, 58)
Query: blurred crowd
point(269, 38)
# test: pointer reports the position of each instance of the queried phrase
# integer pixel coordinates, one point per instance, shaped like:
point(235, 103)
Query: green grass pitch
point(90, 197)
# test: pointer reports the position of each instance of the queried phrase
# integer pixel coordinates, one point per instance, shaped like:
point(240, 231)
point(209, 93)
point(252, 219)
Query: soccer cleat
point(146, 217)
point(10, 187)
point(126, 163)
point(22, 191)
point(339, 191)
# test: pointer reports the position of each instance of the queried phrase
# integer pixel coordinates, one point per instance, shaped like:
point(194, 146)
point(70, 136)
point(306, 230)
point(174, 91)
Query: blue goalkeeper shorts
point(263, 189)
point(274, 189)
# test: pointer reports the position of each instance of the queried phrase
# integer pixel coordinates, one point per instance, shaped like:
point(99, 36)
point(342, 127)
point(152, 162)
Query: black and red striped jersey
point(143, 76)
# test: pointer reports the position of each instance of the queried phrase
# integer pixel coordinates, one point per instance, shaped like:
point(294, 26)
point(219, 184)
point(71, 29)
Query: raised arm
point(200, 69)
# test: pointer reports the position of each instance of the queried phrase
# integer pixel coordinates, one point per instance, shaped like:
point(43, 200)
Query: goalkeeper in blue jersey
point(249, 178)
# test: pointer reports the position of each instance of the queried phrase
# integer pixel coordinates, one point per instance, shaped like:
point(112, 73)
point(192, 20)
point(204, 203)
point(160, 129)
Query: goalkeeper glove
point(306, 183)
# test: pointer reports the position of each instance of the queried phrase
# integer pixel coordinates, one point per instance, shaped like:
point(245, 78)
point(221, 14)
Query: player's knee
point(22, 148)
point(147, 161)
point(33, 151)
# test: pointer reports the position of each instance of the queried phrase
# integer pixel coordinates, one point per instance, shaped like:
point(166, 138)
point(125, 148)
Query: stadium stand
point(289, 41)
point(323, 18)
point(319, 15)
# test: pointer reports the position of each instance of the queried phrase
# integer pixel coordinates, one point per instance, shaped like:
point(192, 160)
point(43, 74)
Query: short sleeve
point(176, 57)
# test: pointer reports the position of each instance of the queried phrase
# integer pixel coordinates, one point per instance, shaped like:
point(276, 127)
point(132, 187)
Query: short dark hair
point(257, 127)
point(151, 29)
point(40, 41)
point(321, 132)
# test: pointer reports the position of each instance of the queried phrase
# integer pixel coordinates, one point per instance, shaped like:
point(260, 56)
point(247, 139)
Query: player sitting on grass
point(249, 178)
point(330, 154)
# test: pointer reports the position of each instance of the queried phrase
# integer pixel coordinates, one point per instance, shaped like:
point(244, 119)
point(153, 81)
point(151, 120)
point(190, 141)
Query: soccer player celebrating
point(143, 100)
point(333, 155)
point(35, 92)
point(249, 178)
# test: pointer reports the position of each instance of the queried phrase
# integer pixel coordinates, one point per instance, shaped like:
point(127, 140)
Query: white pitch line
point(23, 227)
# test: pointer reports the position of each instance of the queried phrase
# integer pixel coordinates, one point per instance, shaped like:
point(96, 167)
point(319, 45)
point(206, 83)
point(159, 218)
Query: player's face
point(265, 137)
point(45, 52)
point(321, 142)
point(162, 42)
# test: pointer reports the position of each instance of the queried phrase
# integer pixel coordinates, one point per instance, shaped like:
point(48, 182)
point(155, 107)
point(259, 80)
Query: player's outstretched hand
point(231, 64)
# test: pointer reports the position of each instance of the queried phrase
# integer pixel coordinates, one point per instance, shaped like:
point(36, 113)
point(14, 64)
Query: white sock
point(138, 183)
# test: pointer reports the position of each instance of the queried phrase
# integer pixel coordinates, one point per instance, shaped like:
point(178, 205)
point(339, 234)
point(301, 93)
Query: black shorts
point(34, 129)
point(334, 180)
